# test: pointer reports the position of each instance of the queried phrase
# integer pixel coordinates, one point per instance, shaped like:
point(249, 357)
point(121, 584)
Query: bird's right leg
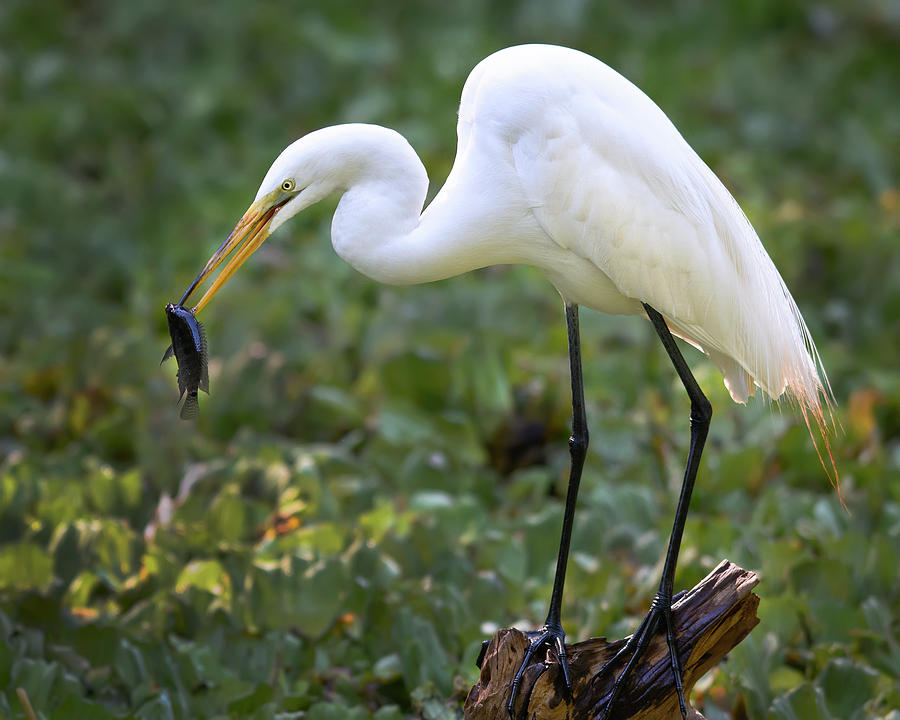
point(552, 634)
point(659, 618)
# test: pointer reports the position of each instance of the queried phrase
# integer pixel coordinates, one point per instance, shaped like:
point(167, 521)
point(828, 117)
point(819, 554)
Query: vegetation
point(376, 482)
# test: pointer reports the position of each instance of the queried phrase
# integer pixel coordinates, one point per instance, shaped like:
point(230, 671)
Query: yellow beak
point(250, 232)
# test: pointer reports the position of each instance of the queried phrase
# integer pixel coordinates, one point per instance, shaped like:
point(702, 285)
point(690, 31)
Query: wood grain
point(710, 620)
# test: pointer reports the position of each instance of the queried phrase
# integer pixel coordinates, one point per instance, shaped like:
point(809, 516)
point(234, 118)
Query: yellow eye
point(288, 185)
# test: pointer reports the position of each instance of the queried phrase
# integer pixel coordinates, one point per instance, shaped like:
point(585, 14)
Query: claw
point(563, 662)
point(660, 610)
point(546, 636)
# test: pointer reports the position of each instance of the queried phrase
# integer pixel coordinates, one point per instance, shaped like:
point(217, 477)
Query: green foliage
point(376, 481)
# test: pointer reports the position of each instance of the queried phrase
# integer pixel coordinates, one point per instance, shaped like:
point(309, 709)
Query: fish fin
point(181, 385)
point(191, 407)
point(168, 354)
point(204, 359)
point(204, 373)
point(202, 332)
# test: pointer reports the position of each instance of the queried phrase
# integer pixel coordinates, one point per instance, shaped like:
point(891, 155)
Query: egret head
point(298, 178)
point(332, 159)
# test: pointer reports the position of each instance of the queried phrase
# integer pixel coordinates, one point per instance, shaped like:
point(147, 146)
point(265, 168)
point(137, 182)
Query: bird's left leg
point(552, 635)
point(659, 618)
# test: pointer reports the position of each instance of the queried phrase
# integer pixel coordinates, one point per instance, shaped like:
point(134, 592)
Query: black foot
point(660, 614)
point(551, 636)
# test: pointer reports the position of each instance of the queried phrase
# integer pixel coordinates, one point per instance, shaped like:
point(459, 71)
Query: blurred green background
point(376, 482)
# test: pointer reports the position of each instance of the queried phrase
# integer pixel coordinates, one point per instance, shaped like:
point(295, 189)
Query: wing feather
point(610, 178)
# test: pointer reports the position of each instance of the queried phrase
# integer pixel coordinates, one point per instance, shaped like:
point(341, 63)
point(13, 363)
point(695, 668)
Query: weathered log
point(710, 620)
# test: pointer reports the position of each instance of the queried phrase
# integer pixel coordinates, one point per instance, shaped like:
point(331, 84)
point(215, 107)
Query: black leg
point(552, 633)
point(661, 608)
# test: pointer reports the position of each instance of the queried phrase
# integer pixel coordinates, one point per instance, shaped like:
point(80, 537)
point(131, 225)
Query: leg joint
point(578, 442)
point(662, 600)
point(701, 410)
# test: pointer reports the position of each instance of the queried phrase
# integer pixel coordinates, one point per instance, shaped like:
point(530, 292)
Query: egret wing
point(611, 180)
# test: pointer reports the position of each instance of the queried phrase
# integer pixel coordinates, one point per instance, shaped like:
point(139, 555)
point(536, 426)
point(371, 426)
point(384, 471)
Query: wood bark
point(710, 620)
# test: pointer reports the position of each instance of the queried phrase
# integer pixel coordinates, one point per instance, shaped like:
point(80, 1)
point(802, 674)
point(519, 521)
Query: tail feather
point(767, 342)
point(800, 378)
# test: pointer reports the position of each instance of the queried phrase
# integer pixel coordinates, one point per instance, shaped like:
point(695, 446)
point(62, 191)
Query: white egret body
point(565, 165)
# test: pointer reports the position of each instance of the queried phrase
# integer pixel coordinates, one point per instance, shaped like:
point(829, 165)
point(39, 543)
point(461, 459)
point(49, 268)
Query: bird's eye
point(288, 185)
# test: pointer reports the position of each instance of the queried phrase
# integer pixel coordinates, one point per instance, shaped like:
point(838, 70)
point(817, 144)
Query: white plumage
point(610, 179)
point(563, 164)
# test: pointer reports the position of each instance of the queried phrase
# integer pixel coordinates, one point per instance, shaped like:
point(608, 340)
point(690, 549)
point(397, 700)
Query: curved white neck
point(379, 227)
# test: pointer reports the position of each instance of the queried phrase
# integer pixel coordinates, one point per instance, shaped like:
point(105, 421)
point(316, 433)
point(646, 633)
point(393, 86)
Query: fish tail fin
point(191, 407)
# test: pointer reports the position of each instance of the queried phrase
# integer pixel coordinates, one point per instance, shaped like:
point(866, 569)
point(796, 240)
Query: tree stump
point(710, 620)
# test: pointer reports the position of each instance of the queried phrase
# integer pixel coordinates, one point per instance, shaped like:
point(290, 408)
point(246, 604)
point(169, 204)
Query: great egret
point(565, 165)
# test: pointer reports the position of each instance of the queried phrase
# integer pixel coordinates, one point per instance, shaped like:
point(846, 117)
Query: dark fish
point(189, 348)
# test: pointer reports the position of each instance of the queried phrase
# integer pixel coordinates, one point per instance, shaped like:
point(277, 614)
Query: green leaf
point(100, 643)
point(209, 576)
point(336, 711)
point(227, 518)
point(244, 706)
point(423, 655)
point(46, 683)
point(433, 706)
point(159, 708)
point(130, 664)
point(417, 377)
point(307, 598)
point(388, 712)
point(76, 708)
point(388, 668)
point(803, 703)
point(25, 566)
point(847, 687)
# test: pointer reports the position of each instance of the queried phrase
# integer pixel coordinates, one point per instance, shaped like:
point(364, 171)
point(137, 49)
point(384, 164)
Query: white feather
point(610, 179)
point(564, 164)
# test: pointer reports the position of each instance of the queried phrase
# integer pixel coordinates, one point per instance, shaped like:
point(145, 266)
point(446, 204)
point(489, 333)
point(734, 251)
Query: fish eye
point(288, 185)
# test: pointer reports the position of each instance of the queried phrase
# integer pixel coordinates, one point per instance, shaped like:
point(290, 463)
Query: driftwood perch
point(710, 620)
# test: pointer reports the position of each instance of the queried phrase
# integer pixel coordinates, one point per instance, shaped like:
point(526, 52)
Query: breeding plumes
point(565, 165)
